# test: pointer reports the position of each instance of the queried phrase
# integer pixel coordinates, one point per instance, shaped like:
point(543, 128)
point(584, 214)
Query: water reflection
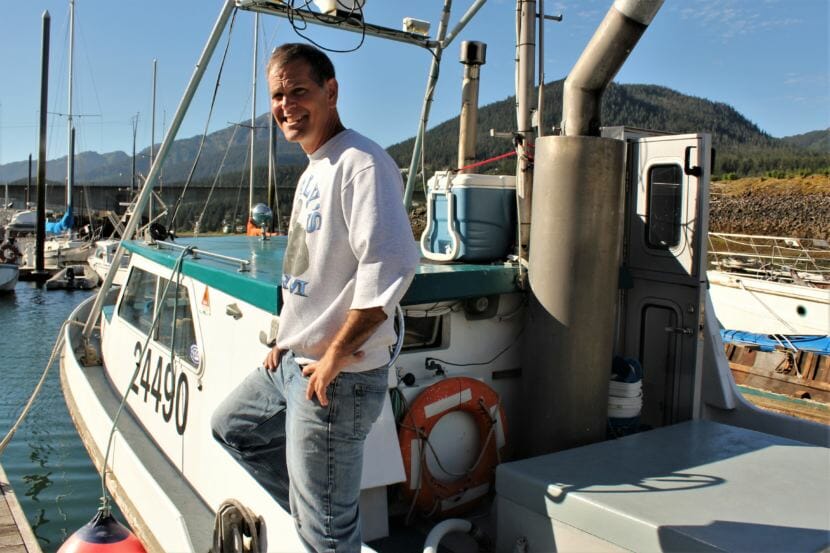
point(46, 463)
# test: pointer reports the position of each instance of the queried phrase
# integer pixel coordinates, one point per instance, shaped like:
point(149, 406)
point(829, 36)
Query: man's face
point(305, 111)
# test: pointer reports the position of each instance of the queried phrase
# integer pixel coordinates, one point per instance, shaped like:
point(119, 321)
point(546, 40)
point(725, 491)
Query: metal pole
point(71, 175)
point(540, 113)
point(153, 133)
point(526, 48)
point(272, 183)
point(69, 151)
point(40, 232)
point(135, 129)
point(29, 184)
point(253, 116)
point(147, 189)
point(470, 13)
point(540, 128)
point(431, 81)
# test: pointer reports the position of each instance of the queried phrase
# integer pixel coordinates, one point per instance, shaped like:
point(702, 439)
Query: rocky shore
point(772, 207)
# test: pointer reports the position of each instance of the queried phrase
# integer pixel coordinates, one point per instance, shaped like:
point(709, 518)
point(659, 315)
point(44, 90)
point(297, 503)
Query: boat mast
point(253, 116)
point(153, 132)
point(70, 153)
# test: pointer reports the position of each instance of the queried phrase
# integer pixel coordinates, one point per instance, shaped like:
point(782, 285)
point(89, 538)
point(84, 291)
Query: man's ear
point(332, 89)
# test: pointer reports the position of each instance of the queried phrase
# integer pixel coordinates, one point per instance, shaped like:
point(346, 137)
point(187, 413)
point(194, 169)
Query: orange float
point(432, 495)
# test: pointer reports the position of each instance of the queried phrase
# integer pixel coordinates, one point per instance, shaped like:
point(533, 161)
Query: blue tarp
point(62, 226)
point(767, 342)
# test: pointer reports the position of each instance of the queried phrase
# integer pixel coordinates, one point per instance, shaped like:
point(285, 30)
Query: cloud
point(732, 18)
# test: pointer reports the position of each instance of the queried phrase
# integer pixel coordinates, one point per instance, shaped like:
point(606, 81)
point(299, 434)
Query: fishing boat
point(496, 429)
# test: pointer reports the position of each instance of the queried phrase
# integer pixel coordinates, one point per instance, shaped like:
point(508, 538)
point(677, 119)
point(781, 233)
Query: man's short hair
point(321, 67)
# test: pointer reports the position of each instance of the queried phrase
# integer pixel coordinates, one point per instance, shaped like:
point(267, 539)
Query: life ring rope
point(490, 433)
point(431, 494)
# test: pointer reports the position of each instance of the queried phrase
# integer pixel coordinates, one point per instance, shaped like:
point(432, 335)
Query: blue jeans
point(308, 457)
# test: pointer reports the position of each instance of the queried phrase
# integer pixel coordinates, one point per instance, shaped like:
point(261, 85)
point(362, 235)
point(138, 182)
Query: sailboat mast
point(69, 146)
point(253, 115)
point(153, 134)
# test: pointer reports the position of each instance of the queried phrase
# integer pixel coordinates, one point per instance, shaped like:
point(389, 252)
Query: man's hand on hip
point(322, 372)
point(272, 360)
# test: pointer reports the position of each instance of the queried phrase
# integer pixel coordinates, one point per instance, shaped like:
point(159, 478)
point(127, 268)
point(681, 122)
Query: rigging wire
point(177, 268)
point(216, 179)
point(174, 212)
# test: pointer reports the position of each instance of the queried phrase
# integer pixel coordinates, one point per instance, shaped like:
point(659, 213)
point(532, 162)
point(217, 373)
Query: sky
point(766, 58)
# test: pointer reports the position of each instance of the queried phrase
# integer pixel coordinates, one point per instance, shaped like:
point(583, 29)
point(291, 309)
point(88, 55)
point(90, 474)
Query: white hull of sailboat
point(768, 307)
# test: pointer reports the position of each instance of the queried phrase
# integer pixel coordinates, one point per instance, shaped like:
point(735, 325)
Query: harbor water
point(47, 465)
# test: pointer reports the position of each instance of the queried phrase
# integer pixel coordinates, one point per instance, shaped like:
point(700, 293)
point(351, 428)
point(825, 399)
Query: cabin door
point(663, 277)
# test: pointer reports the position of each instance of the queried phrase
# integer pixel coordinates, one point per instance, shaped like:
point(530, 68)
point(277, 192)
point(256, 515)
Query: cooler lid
point(439, 181)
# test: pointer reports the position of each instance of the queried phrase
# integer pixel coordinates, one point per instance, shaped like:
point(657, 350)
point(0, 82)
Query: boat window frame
point(184, 357)
point(123, 302)
point(156, 338)
point(653, 226)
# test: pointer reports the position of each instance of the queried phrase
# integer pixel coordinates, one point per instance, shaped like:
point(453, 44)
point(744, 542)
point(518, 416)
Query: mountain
point(816, 141)
point(115, 167)
point(742, 148)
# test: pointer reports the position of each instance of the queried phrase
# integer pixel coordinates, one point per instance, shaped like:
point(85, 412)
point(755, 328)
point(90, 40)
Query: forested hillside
point(742, 148)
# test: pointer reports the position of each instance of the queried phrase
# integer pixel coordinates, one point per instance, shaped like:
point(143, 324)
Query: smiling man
point(350, 258)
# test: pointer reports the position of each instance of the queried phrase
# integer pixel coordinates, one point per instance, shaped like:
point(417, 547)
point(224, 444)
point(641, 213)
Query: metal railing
point(800, 260)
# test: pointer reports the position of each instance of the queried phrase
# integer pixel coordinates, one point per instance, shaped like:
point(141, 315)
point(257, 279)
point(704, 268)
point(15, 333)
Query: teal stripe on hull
point(432, 283)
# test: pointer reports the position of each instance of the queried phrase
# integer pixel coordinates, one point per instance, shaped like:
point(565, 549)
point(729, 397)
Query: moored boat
point(9, 273)
point(101, 261)
point(772, 298)
point(497, 412)
point(73, 277)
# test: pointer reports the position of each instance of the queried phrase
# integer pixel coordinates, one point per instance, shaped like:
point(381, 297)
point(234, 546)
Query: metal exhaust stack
point(575, 250)
point(608, 49)
point(473, 56)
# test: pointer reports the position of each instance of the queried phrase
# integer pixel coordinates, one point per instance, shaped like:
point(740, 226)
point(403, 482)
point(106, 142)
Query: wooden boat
point(73, 277)
point(496, 423)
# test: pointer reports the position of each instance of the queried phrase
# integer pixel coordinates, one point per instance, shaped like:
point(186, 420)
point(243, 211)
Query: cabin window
point(176, 320)
point(136, 306)
point(422, 332)
point(664, 206)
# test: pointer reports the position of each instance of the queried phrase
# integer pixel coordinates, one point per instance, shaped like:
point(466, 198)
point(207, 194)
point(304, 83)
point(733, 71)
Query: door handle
point(695, 171)
point(679, 330)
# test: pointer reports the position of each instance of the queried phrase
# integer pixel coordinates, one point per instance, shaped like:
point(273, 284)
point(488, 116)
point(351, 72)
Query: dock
point(16, 535)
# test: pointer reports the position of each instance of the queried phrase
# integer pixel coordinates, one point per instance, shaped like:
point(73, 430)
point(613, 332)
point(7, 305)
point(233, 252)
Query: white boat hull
point(101, 261)
point(9, 273)
point(767, 307)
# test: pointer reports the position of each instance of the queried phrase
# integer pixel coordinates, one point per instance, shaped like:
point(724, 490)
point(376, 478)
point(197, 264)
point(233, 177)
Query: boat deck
point(258, 285)
point(16, 535)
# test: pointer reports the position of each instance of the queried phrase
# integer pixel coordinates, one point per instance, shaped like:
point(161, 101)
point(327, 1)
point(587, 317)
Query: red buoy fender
point(102, 534)
point(481, 402)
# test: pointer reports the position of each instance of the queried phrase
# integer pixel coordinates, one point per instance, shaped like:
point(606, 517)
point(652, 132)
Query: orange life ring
point(430, 494)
